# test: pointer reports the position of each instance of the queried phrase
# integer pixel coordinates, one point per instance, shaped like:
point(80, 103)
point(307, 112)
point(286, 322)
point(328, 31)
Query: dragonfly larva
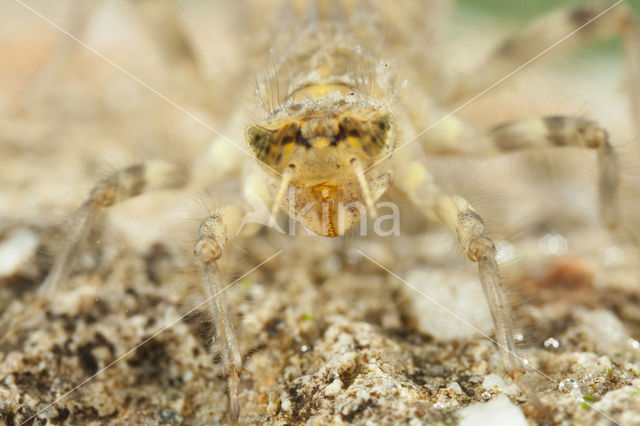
point(348, 108)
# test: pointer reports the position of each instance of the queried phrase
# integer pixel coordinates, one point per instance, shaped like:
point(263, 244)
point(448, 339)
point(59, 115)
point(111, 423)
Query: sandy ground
point(328, 336)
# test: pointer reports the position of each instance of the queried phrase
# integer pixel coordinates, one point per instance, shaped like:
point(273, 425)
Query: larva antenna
point(364, 187)
point(287, 175)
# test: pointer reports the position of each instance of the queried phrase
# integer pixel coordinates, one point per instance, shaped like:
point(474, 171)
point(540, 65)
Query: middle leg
point(458, 138)
point(216, 231)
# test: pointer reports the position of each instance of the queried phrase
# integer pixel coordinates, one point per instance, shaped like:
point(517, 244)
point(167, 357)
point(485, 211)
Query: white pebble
point(497, 412)
point(16, 250)
point(333, 388)
point(285, 405)
point(494, 382)
point(455, 386)
point(551, 343)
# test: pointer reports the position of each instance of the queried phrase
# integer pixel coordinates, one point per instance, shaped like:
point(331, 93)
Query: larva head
point(322, 159)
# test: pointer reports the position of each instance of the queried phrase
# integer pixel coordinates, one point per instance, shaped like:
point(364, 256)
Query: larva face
point(321, 150)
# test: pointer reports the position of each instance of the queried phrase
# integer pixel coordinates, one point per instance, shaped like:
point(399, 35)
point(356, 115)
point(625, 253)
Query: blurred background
point(573, 280)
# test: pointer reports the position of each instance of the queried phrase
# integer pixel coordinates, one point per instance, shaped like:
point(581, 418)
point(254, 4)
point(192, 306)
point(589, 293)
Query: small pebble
point(551, 343)
point(567, 385)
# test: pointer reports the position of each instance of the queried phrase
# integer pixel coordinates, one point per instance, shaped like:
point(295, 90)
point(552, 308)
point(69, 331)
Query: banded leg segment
point(459, 216)
point(215, 233)
point(559, 131)
point(604, 21)
point(458, 138)
point(122, 185)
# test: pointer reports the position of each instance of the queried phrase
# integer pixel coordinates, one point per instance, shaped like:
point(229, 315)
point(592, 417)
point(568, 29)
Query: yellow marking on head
point(319, 91)
point(320, 143)
point(354, 143)
point(288, 149)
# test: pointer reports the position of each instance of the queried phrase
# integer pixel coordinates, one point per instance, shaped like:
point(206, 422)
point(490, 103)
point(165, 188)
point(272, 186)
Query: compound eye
point(374, 136)
point(273, 147)
point(382, 133)
point(260, 141)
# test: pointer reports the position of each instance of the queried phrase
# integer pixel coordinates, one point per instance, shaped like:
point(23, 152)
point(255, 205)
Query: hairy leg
point(536, 134)
point(595, 22)
point(459, 216)
point(215, 233)
point(124, 184)
point(120, 186)
point(559, 131)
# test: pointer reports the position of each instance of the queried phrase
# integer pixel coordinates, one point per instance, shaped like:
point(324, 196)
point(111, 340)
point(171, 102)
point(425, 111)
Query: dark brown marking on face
point(304, 142)
point(267, 144)
point(287, 138)
point(374, 136)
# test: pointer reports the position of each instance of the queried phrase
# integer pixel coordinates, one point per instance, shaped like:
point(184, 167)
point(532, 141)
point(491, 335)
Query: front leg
point(459, 216)
point(215, 233)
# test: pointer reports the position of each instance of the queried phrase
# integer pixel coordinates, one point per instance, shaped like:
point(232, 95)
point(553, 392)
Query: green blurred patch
point(308, 317)
point(522, 11)
point(527, 9)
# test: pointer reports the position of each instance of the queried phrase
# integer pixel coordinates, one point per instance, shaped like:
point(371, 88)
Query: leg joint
point(473, 236)
point(207, 250)
point(212, 237)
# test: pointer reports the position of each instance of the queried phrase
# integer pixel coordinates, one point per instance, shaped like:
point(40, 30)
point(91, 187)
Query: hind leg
point(556, 33)
point(122, 185)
